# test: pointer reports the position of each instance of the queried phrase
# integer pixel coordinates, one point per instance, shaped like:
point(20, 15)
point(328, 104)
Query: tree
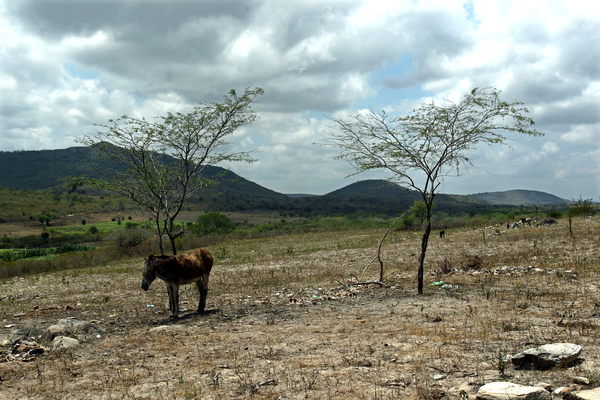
point(213, 222)
point(160, 164)
point(431, 142)
point(579, 208)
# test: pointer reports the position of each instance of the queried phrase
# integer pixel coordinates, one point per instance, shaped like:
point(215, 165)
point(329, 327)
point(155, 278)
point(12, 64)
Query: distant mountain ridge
point(520, 197)
point(45, 169)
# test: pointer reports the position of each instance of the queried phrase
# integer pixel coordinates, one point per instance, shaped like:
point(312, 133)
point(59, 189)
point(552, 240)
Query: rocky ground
point(286, 322)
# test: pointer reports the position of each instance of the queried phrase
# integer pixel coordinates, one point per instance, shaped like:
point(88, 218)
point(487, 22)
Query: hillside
point(520, 198)
point(46, 169)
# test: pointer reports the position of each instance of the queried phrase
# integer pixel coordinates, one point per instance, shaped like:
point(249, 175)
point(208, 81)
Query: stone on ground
point(547, 356)
point(63, 342)
point(593, 394)
point(511, 391)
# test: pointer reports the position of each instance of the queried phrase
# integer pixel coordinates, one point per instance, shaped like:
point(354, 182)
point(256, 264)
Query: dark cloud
point(127, 19)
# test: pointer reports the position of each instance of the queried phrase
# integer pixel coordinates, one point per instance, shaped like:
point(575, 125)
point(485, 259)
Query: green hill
point(46, 169)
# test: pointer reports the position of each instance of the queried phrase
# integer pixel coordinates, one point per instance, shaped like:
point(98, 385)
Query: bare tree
point(431, 142)
point(159, 164)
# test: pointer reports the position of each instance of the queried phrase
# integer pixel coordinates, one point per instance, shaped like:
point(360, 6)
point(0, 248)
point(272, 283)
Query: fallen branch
point(378, 256)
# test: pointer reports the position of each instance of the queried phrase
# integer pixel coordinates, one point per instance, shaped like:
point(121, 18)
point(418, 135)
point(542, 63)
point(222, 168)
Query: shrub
point(128, 238)
point(213, 222)
point(130, 225)
point(69, 247)
point(93, 230)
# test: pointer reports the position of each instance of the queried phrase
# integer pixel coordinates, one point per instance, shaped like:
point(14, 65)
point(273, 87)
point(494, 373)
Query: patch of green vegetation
point(9, 255)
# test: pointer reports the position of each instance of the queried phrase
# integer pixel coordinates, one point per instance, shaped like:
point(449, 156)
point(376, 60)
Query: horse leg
point(202, 285)
point(173, 291)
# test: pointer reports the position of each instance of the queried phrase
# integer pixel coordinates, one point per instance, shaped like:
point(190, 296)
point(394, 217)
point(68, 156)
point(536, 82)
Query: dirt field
point(285, 323)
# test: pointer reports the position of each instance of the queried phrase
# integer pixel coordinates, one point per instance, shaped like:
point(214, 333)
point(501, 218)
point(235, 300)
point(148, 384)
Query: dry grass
point(283, 326)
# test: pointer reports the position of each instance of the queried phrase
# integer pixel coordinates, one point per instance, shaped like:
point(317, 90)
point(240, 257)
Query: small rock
point(582, 380)
point(63, 342)
point(166, 328)
point(5, 341)
point(438, 377)
point(593, 394)
point(544, 385)
point(70, 327)
point(512, 391)
point(561, 391)
point(547, 356)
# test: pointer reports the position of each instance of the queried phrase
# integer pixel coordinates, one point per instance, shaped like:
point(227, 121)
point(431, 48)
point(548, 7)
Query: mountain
point(46, 169)
point(380, 196)
point(520, 198)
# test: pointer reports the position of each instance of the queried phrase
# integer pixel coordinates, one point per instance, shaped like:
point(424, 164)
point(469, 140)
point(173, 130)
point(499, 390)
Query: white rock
point(593, 394)
point(511, 391)
point(544, 385)
point(582, 380)
point(547, 356)
point(166, 328)
point(63, 342)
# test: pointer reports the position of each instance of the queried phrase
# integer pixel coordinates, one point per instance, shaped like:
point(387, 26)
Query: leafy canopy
point(434, 139)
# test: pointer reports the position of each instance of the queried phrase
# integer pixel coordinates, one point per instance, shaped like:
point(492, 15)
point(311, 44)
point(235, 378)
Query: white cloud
point(66, 64)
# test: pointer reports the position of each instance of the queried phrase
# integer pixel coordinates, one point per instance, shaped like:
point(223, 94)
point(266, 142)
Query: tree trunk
point(160, 241)
point(172, 239)
point(570, 228)
point(424, 243)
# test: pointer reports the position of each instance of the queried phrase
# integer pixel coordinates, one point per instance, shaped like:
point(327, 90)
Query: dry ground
point(284, 324)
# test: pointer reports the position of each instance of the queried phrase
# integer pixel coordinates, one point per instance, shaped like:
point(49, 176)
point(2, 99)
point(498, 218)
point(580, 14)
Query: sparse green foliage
point(581, 207)
point(44, 218)
point(127, 238)
point(431, 142)
point(163, 161)
point(213, 222)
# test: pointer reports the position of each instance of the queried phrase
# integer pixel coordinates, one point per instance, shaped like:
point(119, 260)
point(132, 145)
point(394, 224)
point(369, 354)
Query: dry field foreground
point(283, 325)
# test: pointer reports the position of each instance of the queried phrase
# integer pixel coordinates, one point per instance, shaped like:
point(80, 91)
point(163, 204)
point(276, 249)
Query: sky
point(68, 64)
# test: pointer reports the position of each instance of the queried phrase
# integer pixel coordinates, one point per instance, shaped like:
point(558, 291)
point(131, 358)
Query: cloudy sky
point(67, 64)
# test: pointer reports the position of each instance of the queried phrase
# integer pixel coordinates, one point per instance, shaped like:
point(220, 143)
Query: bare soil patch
point(285, 323)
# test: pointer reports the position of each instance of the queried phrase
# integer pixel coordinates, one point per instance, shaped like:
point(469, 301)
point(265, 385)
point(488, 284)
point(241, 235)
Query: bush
point(130, 225)
point(212, 222)
point(128, 238)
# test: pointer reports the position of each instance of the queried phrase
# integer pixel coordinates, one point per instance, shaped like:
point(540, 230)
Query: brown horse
point(180, 270)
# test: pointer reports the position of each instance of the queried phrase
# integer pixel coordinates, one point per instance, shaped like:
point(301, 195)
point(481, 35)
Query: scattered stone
point(512, 391)
point(72, 327)
point(582, 380)
point(25, 350)
point(544, 385)
point(27, 333)
point(593, 394)
point(63, 342)
point(166, 328)
point(438, 377)
point(547, 356)
point(5, 341)
point(563, 390)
